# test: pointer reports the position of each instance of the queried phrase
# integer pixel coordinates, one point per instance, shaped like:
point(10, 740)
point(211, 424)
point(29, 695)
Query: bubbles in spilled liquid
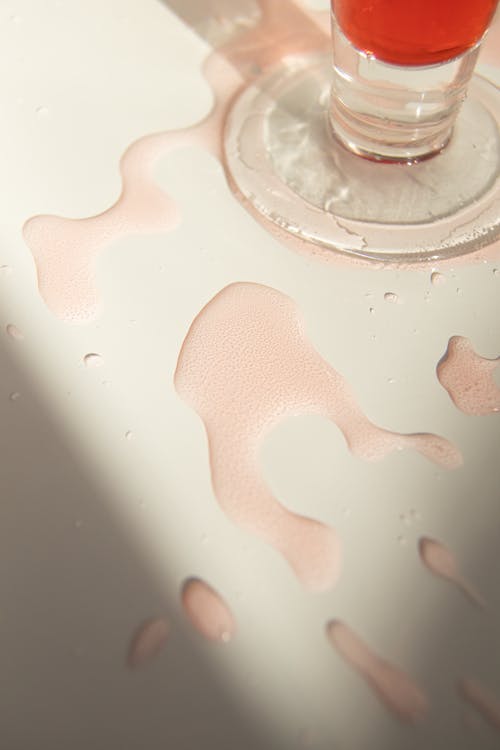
point(482, 699)
point(14, 332)
point(398, 692)
point(207, 611)
point(92, 360)
point(147, 642)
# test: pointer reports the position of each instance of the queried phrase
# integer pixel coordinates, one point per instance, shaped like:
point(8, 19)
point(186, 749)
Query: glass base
point(282, 157)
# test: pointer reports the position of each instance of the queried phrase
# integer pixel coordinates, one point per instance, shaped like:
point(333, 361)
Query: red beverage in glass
point(413, 32)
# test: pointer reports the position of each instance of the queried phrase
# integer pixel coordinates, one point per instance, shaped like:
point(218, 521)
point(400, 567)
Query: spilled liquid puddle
point(468, 378)
point(148, 641)
point(482, 699)
point(441, 562)
point(65, 250)
point(207, 611)
point(245, 365)
point(397, 691)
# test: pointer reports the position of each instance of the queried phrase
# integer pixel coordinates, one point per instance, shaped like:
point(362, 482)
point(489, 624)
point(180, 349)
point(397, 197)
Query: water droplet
point(78, 524)
point(459, 291)
point(496, 272)
point(391, 380)
point(427, 297)
point(402, 541)
point(5, 270)
point(15, 19)
point(14, 396)
point(371, 310)
point(14, 332)
point(92, 360)
point(204, 538)
point(438, 279)
point(129, 435)
point(346, 512)
point(42, 111)
point(391, 297)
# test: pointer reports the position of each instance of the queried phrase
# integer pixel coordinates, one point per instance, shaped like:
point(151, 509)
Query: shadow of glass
point(75, 587)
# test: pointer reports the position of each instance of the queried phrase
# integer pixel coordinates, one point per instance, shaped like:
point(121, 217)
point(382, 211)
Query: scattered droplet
point(459, 291)
point(207, 611)
point(14, 332)
point(147, 642)
point(391, 380)
point(42, 111)
point(427, 297)
point(496, 272)
point(396, 690)
point(391, 297)
point(92, 360)
point(204, 538)
point(15, 19)
point(14, 396)
point(5, 270)
point(371, 310)
point(438, 279)
point(482, 699)
point(402, 540)
point(129, 435)
point(440, 561)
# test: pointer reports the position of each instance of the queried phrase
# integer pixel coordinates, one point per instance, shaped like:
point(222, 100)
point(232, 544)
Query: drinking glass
point(392, 152)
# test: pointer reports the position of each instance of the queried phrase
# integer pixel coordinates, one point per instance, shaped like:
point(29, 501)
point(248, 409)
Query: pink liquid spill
point(468, 378)
point(396, 690)
point(441, 562)
point(482, 699)
point(207, 611)
point(65, 250)
point(148, 641)
point(245, 365)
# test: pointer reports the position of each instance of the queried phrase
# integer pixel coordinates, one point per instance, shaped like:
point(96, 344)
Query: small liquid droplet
point(496, 272)
point(391, 297)
point(204, 538)
point(402, 541)
point(78, 524)
point(14, 332)
point(147, 642)
point(14, 396)
point(5, 270)
point(371, 311)
point(129, 435)
point(92, 360)
point(207, 611)
point(391, 380)
point(438, 279)
point(459, 291)
point(42, 111)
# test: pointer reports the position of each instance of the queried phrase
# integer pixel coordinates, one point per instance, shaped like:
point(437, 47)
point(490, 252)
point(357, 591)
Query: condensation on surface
point(245, 365)
point(397, 690)
point(468, 378)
